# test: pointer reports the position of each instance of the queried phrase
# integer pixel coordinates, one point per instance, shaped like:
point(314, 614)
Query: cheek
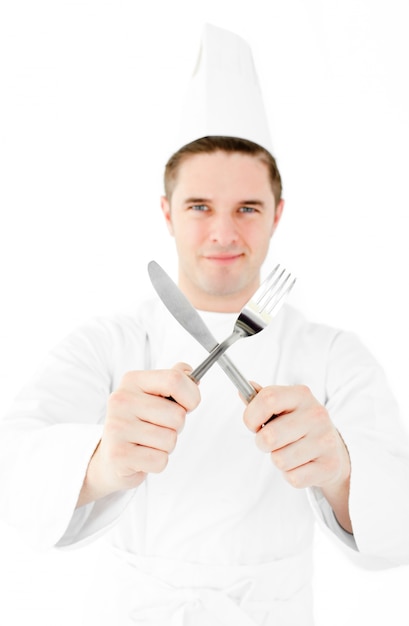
point(189, 233)
point(258, 235)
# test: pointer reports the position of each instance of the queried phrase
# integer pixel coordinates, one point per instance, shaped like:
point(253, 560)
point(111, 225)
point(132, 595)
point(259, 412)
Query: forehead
point(218, 172)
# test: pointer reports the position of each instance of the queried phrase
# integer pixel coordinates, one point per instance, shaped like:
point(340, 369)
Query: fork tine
point(275, 291)
point(273, 287)
point(267, 284)
point(279, 297)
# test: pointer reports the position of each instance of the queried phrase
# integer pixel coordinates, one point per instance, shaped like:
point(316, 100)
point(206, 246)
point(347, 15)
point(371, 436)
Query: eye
point(199, 208)
point(248, 209)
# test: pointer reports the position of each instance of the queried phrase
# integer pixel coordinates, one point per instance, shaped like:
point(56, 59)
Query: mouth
point(223, 258)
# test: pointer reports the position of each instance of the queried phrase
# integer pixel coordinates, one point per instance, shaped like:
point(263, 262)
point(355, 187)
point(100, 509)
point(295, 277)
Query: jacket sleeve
point(366, 414)
point(49, 435)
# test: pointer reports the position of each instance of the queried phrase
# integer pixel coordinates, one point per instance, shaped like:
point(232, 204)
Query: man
point(209, 514)
point(222, 212)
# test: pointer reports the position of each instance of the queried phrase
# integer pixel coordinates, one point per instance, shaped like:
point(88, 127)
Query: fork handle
point(214, 355)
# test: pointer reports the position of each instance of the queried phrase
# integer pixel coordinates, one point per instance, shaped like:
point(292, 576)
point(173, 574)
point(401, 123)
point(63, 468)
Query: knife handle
point(246, 389)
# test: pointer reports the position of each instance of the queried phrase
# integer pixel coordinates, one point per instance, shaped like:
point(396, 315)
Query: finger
point(274, 400)
point(137, 459)
point(183, 367)
point(302, 476)
point(313, 473)
point(157, 410)
point(125, 407)
point(309, 419)
point(294, 455)
point(313, 460)
point(153, 436)
point(332, 462)
point(173, 383)
point(284, 430)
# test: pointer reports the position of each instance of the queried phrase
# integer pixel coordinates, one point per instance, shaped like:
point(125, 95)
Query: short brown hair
point(214, 143)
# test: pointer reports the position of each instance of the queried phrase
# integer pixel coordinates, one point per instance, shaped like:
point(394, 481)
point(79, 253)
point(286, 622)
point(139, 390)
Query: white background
point(89, 102)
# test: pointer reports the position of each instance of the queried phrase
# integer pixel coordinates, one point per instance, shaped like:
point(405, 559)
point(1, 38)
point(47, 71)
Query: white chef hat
point(224, 96)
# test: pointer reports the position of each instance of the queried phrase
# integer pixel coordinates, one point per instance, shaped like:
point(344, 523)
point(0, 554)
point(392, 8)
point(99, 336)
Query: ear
point(165, 206)
point(277, 215)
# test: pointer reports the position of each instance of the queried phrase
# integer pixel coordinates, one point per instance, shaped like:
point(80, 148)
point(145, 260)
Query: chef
point(208, 515)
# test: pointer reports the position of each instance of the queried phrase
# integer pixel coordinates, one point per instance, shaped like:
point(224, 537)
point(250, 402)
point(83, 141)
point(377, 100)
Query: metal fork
point(256, 314)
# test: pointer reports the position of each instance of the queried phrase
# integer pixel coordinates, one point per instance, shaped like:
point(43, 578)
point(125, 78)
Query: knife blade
point(187, 316)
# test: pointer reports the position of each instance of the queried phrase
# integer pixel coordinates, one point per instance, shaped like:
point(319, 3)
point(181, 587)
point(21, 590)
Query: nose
point(224, 230)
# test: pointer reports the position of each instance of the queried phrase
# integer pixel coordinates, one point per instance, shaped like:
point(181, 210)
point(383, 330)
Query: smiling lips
point(226, 257)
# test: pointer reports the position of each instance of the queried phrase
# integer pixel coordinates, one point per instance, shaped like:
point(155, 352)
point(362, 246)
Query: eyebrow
point(193, 200)
point(253, 202)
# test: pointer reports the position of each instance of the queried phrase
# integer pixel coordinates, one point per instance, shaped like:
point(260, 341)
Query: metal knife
point(187, 316)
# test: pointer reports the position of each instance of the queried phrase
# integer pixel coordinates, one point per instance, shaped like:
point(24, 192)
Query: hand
point(141, 429)
point(303, 443)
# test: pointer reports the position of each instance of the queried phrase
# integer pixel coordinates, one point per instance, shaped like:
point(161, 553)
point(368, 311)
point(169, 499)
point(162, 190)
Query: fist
point(145, 415)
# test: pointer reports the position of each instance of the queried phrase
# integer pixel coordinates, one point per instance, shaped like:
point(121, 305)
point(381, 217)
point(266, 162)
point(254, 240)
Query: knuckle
point(247, 418)
point(185, 390)
point(183, 367)
point(158, 460)
point(268, 395)
point(195, 399)
point(117, 455)
point(250, 421)
point(278, 460)
point(329, 440)
point(305, 396)
point(271, 434)
point(113, 427)
point(171, 440)
point(118, 398)
point(149, 459)
point(179, 421)
point(294, 479)
point(318, 414)
point(331, 464)
point(303, 390)
point(177, 414)
point(129, 379)
point(269, 439)
point(175, 377)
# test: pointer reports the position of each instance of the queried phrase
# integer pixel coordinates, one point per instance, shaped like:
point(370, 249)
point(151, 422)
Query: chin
point(225, 286)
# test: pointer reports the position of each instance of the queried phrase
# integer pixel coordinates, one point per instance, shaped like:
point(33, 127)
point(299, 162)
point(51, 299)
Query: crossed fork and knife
point(256, 314)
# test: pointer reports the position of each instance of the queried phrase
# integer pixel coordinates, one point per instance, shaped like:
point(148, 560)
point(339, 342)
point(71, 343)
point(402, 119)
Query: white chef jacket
point(219, 537)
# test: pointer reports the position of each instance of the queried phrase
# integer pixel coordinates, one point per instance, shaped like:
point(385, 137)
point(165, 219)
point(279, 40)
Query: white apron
point(188, 594)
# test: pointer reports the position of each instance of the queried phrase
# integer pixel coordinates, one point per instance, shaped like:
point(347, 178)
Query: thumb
point(183, 367)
